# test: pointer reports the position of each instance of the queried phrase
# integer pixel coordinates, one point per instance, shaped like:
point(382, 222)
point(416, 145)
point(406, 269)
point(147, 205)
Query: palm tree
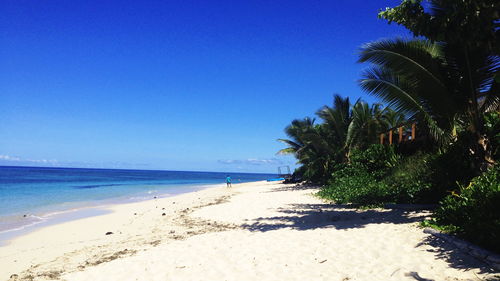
point(319, 147)
point(336, 120)
point(308, 143)
point(367, 123)
point(392, 118)
point(297, 132)
point(429, 82)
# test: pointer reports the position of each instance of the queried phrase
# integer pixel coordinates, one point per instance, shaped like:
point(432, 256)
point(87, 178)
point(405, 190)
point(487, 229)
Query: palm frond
point(406, 56)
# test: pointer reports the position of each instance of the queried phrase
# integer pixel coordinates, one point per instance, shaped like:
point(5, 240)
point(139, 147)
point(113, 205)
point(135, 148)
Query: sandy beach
point(252, 231)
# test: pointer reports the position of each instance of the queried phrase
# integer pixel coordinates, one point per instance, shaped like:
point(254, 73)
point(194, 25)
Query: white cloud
point(9, 158)
point(18, 159)
point(44, 161)
point(252, 161)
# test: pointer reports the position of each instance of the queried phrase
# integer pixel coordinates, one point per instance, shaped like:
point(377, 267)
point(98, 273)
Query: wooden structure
point(401, 134)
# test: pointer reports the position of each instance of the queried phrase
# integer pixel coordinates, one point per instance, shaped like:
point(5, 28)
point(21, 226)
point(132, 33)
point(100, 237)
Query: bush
point(378, 175)
point(474, 210)
point(453, 167)
point(377, 159)
point(354, 184)
point(411, 180)
point(492, 127)
point(359, 181)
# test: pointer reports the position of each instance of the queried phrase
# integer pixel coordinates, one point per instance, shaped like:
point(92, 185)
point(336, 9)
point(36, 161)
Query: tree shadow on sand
point(295, 187)
point(313, 216)
point(455, 257)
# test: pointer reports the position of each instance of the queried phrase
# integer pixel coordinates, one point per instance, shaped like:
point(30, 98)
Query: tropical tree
point(297, 132)
point(467, 24)
point(367, 123)
point(336, 120)
point(319, 147)
point(308, 143)
point(427, 82)
point(392, 118)
point(452, 78)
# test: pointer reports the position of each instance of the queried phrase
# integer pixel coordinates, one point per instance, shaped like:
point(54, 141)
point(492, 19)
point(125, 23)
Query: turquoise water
point(29, 195)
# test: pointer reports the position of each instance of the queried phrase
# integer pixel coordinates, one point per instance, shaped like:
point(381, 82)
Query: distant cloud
point(9, 158)
point(252, 161)
point(44, 161)
point(18, 161)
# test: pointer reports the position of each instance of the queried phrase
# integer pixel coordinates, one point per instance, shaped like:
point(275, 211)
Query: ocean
point(30, 196)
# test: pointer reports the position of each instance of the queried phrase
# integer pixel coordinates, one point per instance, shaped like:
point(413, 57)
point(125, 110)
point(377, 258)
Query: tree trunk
point(481, 149)
point(484, 159)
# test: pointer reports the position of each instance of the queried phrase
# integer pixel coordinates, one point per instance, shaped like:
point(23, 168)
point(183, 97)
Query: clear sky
point(177, 85)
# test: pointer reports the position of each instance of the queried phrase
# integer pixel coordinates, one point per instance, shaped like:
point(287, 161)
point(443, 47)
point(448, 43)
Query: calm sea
point(31, 195)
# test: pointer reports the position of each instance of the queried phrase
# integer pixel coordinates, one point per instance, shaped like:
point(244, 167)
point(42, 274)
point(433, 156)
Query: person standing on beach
point(228, 181)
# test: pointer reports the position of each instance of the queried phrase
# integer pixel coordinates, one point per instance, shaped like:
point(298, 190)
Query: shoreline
point(85, 209)
point(252, 231)
point(53, 242)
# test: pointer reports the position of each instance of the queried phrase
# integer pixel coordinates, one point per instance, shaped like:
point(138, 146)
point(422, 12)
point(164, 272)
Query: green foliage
point(492, 126)
point(457, 77)
point(443, 228)
point(378, 175)
point(411, 180)
point(359, 181)
point(452, 167)
point(427, 177)
point(319, 147)
point(377, 159)
point(474, 210)
point(453, 21)
point(353, 184)
point(309, 144)
point(446, 80)
point(367, 123)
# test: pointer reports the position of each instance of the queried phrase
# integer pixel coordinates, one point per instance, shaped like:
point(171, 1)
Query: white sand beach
point(252, 231)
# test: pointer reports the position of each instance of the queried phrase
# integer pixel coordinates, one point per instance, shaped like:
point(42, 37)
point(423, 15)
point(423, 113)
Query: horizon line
point(126, 169)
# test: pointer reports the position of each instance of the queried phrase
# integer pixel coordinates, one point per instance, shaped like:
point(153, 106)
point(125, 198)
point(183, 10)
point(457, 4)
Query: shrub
point(354, 184)
point(377, 159)
point(359, 181)
point(378, 175)
point(492, 127)
point(454, 166)
point(411, 180)
point(474, 210)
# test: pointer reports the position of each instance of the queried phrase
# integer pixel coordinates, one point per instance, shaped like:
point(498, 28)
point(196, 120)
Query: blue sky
point(176, 85)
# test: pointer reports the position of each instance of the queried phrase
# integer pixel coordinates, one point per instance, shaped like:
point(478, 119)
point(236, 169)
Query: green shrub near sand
point(354, 184)
point(411, 180)
point(473, 211)
point(359, 181)
point(378, 175)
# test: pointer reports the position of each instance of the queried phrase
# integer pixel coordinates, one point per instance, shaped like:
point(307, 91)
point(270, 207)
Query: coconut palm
point(297, 132)
point(392, 118)
point(336, 120)
point(431, 83)
point(319, 147)
point(308, 143)
point(367, 123)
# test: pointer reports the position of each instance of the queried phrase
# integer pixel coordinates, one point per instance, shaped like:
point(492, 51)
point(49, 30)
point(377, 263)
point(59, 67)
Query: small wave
point(137, 198)
point(95, 185)
point(25, 225)
point(36, 217)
